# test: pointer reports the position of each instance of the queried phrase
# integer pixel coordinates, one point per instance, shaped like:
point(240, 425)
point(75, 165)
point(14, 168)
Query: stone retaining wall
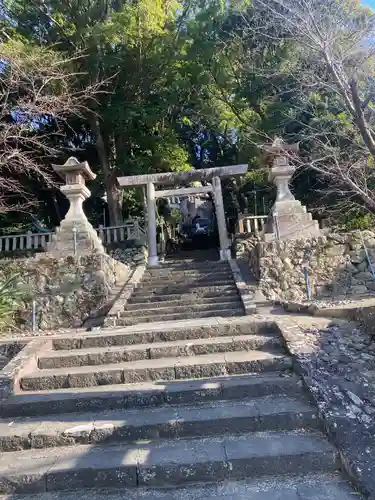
point(132, 256)
point(337, 266)
point(8, 351)
point(66, 290)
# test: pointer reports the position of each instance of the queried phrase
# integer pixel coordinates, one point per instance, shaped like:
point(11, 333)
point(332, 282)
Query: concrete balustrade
point(111, 234)
point(251, 223)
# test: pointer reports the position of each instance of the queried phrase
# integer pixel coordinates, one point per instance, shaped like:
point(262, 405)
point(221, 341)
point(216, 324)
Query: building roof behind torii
point(204, 174)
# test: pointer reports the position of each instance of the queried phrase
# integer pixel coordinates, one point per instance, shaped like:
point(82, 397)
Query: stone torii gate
point(212, 175)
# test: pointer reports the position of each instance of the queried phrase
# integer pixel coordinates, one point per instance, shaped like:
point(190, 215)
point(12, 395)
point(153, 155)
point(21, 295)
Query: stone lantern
point(75, 234)
point(288, 219)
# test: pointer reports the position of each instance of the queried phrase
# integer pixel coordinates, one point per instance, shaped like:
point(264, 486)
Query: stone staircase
point(202, 410)
point(183, 289)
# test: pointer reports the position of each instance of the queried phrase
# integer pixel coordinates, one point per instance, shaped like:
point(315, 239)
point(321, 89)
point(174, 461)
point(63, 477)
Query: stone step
point(189, 299)
point(178, 281)
point(206, 268)
point(185, 285)
point(193, 329)
point(149, 394)
point(269, 413)
point(181, 265)
point(190, 269)
point(207, 365)
point(194, 294)
point(187, 309)
point(179, 276)
point(179, 348)
point(321, 486)
point(166, 463)
point(153, 317)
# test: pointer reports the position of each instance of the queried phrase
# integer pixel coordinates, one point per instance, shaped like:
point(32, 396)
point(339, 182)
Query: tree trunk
point(115, 198)
point(114, 193)
point(360, 120)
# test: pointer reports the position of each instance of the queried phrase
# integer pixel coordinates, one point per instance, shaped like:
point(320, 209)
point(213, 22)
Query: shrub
point(12, 298)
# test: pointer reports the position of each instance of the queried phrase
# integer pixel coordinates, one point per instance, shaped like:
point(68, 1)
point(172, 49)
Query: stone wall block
point(357, 256)
point(66, 290)
point(362, 277)
point(337, 266)
point(335, 250)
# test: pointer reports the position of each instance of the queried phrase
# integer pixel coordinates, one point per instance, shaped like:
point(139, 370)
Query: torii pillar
point(225, 252)
point(153, 259)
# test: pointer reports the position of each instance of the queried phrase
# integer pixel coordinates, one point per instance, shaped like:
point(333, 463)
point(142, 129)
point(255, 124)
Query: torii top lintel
point(171, 178)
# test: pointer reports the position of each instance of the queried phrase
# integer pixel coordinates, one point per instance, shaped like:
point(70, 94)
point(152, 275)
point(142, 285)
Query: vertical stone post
point(220, 216)
point(101, 233)
point(240, 225)
point(29, 239)
point(153, 259)
point(144, 198)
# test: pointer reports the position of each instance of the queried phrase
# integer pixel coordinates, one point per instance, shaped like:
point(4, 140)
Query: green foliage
point(137, 22)
point(359, 221)
point(191, 84)
point(176, 216)
point(167, 155)
point(12, 297)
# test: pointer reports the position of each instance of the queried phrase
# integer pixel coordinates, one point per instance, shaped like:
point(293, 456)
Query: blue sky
point(371, 3)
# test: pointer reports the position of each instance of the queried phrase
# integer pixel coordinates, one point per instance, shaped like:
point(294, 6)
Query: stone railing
point(27, 241)
point(130, 230)
point(251, 223)
point(111, 234)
